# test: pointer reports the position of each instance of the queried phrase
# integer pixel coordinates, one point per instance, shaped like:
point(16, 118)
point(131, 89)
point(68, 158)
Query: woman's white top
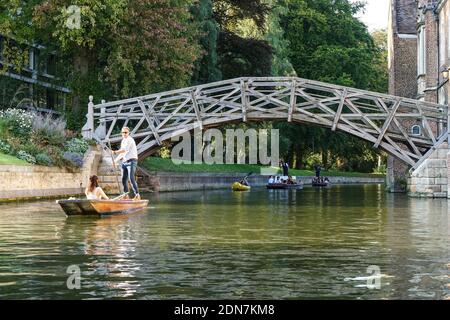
point(93, 195)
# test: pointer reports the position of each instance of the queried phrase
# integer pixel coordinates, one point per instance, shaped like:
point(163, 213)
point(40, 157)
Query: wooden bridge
point(405, 128)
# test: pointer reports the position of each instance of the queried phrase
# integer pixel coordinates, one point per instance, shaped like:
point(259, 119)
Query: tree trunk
point(81, 66)
point(290, 156)
point(299, 157)
point(325, 158)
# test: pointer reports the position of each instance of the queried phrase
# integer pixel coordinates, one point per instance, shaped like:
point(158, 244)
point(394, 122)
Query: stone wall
point(430, 179)
point(25, 182)
point(169, 181)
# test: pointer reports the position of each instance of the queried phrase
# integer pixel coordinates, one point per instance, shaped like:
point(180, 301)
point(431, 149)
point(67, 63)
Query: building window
point(416, 130)
point(421, 52)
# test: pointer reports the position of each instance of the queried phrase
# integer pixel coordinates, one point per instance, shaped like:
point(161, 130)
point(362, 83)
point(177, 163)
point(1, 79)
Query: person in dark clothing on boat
point(244, 182)
point(285, 167)
point(317, 169)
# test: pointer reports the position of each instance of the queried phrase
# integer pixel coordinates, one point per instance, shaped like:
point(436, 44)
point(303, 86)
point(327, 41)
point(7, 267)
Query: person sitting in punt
point(93, 191)
point(271, 180)
point(290, 181)
point(244, 182)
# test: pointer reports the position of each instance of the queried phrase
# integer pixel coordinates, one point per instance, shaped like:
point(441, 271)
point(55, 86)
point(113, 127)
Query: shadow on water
point(292, 244)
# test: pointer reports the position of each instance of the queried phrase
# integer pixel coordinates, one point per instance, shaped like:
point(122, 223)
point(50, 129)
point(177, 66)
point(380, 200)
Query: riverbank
point(171, 181)
point(26, 182)
point(38, 182)
point(166, 165)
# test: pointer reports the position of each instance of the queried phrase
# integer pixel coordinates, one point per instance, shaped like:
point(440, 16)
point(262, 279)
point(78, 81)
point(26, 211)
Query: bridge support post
point(430, 179)
point(88, 129)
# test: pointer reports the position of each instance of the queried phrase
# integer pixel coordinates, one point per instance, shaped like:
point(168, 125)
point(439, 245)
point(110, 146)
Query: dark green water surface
point(278, 244)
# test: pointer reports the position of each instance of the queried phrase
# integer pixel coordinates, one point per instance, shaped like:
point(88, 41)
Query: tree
point(231, 12)
point(328, 43)
point(240, 57)
point(206, 68)
point(380, 81)
point(121, 48)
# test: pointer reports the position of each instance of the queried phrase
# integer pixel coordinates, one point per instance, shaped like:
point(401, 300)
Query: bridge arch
point(381, 119)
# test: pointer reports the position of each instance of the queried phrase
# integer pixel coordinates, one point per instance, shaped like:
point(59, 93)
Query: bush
point(76, 145)
point(31, 148)
point(26, 156)
point(4, 147)
point(3, 129)
point(47, 137)
point(74, 158)
point(44, 159)
point(49, 123)
point(18, 121)
point(380, 170)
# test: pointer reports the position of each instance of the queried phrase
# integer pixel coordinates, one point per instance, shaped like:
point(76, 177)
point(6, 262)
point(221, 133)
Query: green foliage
point(160, 164)
point(328, 43)
point(44, 159)
point(231, 12)
point(17, 121)
point(26, 156)
point(206, 69)
point(73, 158)
point(380, 81)
point(240, 57)
point(48, 130)
point(77, 145)
point(274, 34)
point(380, 170)
point(163, 51)
point(123, 48)
point(5, 147)
point(45, 137)
point(31, 148)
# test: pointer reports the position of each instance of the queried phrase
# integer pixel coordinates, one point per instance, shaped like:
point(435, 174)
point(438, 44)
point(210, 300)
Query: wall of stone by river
point(31, 182)
point(169, 181)
point(34, 182)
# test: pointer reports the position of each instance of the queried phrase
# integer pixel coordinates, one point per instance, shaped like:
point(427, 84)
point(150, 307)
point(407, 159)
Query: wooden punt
point(279, 186)
point(320, 184)
point(85, 207)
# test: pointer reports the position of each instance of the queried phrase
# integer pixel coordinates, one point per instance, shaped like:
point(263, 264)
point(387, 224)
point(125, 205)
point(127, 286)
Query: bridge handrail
point(298, 80)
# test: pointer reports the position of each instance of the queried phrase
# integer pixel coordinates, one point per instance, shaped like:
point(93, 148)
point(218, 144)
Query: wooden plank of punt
point(101, 207)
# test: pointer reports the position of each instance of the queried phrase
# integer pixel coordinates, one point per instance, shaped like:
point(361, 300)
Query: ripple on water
point(218, 244)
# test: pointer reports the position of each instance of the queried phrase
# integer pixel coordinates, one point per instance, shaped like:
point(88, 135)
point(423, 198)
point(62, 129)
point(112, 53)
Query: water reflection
point(309, 243)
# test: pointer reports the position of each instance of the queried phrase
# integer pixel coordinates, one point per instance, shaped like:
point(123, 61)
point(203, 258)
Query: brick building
point(418, 42)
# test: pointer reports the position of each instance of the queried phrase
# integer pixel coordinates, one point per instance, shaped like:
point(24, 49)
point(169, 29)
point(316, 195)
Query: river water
point(344, 242)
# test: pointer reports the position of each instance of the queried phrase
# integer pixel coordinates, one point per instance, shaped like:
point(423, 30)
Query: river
point(343, 242)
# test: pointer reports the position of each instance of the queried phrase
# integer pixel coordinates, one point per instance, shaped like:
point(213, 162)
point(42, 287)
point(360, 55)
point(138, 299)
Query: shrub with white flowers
point(20, 122)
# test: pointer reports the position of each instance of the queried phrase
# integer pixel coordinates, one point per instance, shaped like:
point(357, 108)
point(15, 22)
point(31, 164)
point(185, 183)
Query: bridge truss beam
point(381, 119)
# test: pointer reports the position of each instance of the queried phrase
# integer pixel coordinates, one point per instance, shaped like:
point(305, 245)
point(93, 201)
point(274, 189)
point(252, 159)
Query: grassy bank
point(6, 159)
point(159, 164)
